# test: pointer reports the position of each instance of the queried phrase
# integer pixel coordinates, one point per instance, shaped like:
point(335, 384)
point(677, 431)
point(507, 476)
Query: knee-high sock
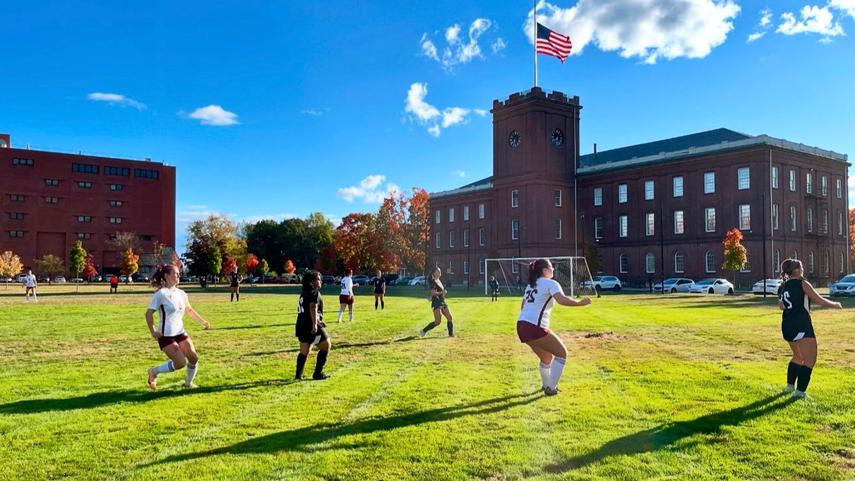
point(168, 366)
point(319, 363)
point(430, 326)
point(450, 327)
point(238, 296)
point(375, 303)
point(545, 373)
point(350, 314)
point(804, 378)
point(231, 297)
point(556, 371)
point(190, 373)
point(792, 373)
point(382, 304)
point(301, 363)
point(340, 312)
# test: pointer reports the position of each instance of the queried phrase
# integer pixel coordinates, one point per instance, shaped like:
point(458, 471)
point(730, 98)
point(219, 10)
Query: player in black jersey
point(234, 284)
point(494, 289)
point(795, 296)
point(379, 284)
point(311, 330)
point(437, 303)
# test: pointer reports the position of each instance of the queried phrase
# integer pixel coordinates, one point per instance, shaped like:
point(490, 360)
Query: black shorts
point(438, 303)
point(233, 286)
point(164, 341)
point(304, 333)
point(377, 293)
point(796, 331)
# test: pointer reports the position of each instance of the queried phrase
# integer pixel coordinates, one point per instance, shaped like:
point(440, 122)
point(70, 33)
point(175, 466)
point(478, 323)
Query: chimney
point(5, 141)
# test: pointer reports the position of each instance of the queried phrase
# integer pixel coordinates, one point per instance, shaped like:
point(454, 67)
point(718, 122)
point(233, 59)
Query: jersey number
point(529, 296)
point(300, 309)
point(786, 300)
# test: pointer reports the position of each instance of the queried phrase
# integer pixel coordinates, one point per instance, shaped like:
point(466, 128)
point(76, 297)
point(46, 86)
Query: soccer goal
point(512, 274)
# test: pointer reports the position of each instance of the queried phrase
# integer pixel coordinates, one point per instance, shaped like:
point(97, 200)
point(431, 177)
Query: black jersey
point(379, 285)
point(796, 302)
point(303, 316)
point(494, 284)
point(235, 279)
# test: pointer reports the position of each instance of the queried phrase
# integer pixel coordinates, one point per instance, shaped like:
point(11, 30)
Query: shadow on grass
point(341, 346)
point(98, 399)
point(308, 438)
point(255, 326)
point(666, 435)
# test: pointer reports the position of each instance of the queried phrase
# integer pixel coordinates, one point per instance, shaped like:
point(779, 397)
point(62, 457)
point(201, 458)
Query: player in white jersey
point(345, 297)
point(171, 303)
point(541, 294)
point(30, 286)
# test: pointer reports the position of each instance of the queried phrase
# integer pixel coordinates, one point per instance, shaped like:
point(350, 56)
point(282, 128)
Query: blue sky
point(276, 109)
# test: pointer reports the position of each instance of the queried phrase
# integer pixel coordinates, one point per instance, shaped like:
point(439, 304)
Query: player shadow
point(338, 346)
point(104, 398)
point(667, 435)
point(257, 326)
point(311, 438)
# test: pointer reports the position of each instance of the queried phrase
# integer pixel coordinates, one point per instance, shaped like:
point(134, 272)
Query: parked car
point(123, 278)
point(361, 280)
point(603, 282)
point(712, 286)
point(290, 278)
point(674, 284)
point(391, 279)
point(772, 286)
point(328, 279)
point(844, 287)
point(76, 280)
point(21, 278)
point(403, 281)
point(185, 279)
point(140, 278)
point(5, 279)
point(96, 279)
point(44, 279)
point(418, 281)
point(59, 280)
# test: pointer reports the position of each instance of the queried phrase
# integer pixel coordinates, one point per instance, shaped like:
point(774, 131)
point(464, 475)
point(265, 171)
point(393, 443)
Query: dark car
point(328, 279)
point(391, 279)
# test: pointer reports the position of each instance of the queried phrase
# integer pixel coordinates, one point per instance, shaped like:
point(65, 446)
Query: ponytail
point(787, 268)
point(158, 280)
point(535, 271)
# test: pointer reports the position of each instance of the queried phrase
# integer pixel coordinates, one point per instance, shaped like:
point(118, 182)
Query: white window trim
point(623, 193)
point(706, 219)
point(652, 190)
point(683, 216)
point(706, 262)
point(713, 182)
point(674, 186)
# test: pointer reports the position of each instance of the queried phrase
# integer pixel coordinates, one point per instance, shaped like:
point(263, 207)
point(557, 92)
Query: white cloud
point(762, 26)
point(498, 45)
point(458, 173)
point(116, 99)
point(755, 36)
point(214, 115)
point(813, 20)
point(315, 112)
point(370, 190)
point(458, 50)
point(765, 17)
point(649, 29)
point(431, 117)
point(847, 6)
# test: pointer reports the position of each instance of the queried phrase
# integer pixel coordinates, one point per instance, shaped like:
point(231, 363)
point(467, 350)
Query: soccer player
point(796, 294)
point(437, 303)
point(30, 286)
point(171, 303)
point(311, 330)
point(494, 289)
point(379, 284)
point(234, 283)
point(541, 294)
point(345, 297)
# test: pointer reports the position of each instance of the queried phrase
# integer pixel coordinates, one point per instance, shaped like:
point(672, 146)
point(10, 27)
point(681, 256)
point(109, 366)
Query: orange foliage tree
point(130, 262)
point(251, 263)
point(852, 240)
point(229, 266)
point(289, 267)
point(417, 230)
point(735, 254)
point(89, 269)
point(353, 240)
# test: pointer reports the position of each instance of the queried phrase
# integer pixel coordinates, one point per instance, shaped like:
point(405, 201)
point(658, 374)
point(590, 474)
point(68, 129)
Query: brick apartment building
point(652, 210)
point(50, 200)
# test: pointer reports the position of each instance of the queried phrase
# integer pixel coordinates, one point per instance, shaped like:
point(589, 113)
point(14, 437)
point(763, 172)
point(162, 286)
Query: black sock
point(231, 297)
point(382, 305)
point(375, 304)
point(238, 296)
point(792, 373)
point(301, 363)
point(804, 378)
point(319, 364)
point(450, 328)
point(429, 327)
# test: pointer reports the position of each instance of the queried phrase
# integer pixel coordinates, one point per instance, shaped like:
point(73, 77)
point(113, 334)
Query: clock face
point(557, 138)
point(514, 139)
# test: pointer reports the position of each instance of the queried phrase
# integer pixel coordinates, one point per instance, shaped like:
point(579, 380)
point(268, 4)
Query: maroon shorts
point(342, 299)
point(164, 341)
point(529, 332)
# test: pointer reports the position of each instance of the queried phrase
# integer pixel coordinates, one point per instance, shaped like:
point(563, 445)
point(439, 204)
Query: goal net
point(512, 274)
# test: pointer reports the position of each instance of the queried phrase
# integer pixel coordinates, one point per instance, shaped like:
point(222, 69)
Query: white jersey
point(346, 286)
point(539, 301)
point(170, 305)
point(31, 280)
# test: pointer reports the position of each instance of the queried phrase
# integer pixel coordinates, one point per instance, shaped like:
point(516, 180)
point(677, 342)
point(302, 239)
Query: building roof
point(485, 183)
point(684, 142)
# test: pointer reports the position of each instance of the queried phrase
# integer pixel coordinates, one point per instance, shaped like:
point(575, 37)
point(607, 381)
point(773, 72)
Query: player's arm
point(313, 315)
point(569, 301)
point(815, 297)
point(149, 319)
point(198, 317)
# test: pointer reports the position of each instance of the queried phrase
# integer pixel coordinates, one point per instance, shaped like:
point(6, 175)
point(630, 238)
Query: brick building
point(652, 210)
point(50, 200)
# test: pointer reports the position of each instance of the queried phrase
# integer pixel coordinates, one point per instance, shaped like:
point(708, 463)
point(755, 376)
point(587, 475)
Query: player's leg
point(237, 293)
point(437, 313)
point(341, 308)
point(382, 301)
point(176, 361)
point(324, 347)
point(808, 348)
point(447, 313)
point(301, 358)
point(189, 351)
point(350, 309)
point(545, 365)
point(376, 300)
point(796, 362)
point(555, 346)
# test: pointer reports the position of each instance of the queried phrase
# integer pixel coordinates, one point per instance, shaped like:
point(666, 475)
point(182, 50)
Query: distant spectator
point(114, 284)
point(30, 286)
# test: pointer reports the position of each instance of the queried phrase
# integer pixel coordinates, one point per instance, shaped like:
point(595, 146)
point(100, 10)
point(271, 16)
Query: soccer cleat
point(190, 386)
point(152, 379)
point(798, 394)
point(550, 391)
point(320, 377)
point(422, 333)
point(789, 388)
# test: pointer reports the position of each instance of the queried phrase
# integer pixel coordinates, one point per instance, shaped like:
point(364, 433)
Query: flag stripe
point(552, 43)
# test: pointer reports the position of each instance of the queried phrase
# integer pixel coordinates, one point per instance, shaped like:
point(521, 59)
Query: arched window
point(823, 263)
point(679, 262)
point(709, 261)
point(650, 263)
point(776, 260)
point(623, 262)
point(810, 262)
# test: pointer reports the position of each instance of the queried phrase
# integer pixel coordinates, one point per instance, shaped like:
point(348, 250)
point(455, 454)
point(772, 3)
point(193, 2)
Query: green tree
point(77, 260)
point(211, 240)
point(263, 269)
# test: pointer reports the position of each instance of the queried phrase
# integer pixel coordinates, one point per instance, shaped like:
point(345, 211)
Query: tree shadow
point(309, 439)
point(257, 326)
point(98, 399)
point(338, 346)
point(667, 434)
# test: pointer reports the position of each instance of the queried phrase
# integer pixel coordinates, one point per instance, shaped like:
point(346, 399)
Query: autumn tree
point(389, 244)
point(735, 254)
point(417, 231)
point(289, 267)
point(229, 266)
point(89, 269)
point(122, 241)
point(211, 240)
point(263, 269)
point(10, 264)
point(353, 239)
point(251, 263)
point(50, 265)
point(852, 239)
point(129, 263)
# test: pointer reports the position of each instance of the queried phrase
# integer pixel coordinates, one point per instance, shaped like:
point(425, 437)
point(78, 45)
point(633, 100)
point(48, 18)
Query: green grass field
point(656, 387)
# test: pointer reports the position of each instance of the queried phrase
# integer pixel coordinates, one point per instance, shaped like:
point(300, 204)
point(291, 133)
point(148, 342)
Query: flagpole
point(534, 38)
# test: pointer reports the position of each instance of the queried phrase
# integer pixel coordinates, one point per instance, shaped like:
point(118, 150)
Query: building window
point(451, 236)
point(808, 182)
point(557, 197)
point(437, 240)
point(117, 187)
point(51, 182)
point(792, 180)
point(481, 236)
point(437, 217)
point(839, 222)
point(839, 188)
point(841, 262)
point(116, 203)
point(16, 233)
point(515, 229)
point(774, 177)
point(598, 227)
point(823, 185)
point(451, 214)
point(623, 261)
point(709, 219)
point(809, 219)
point(679, 262)
point(22, 162)
point(558, 227)
point(678, 186)
point(678, 222)
point(515, 198)
point(622, 226)
point(51, 200)
point(84, 219)
point(776, 261)
point(465, 237)
point(117, 171)
point(709, 262)
point(621, 193)
point(650, 263)
point(84, 235)
point(774, 216)
point(745, 217)
point(481, 263)
point(649, 190)
point(709, 182)
point(649, 224)
point(466, 267)
point(465, 213)
point(146, 173)
point(743, 175)
point(16, 216)
point(598, 196)
point(793, 219)
point(84, 184)
point(810, 264)
point(823, 262)
point(84, 168)
point(16, 198)
point(823, 222)
point(482, 211)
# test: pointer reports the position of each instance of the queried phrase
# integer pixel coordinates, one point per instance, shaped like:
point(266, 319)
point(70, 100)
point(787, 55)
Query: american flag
point(553, 43)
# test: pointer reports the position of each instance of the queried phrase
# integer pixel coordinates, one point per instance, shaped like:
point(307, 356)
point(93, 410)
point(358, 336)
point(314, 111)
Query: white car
point(418, 281)
point(712, 286)
point(603, 282)
point(843, 287)
point(674, 284)
point(59, 280)
point(772, 286)
point(22, 278)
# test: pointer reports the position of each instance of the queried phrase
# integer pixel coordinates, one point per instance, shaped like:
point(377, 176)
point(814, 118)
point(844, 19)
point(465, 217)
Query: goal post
point(571, 272)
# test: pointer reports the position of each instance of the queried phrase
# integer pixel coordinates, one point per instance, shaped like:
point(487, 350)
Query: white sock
point(190, 373)
point(556, 371)
point(350, 315)
point(165, 367)
point(545, 370)
point(340, 312)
